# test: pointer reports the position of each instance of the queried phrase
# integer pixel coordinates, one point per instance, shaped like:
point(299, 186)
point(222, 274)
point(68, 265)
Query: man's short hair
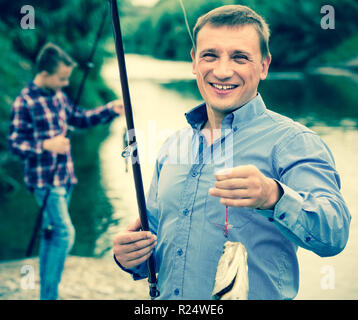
point(234, 16)
point(49, 58)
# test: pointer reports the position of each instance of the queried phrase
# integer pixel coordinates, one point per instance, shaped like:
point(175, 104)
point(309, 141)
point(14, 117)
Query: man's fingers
point(237, 172)
point(132, 237)
point(224, 174)
point(133, 263)
point(135, 255)
point(132, 253)
point(137, 246)
point(231, 194)
point(144, 258)
point(231, 184)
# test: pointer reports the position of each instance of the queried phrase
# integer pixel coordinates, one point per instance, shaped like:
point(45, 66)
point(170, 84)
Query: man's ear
point(44, 74)
point(192, 53)
point(265, 67)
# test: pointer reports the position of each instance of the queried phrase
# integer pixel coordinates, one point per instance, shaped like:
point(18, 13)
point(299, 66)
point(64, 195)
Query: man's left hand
point(246, 186)
point(117, 106)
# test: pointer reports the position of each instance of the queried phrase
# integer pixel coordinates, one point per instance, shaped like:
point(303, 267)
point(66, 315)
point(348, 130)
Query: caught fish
point(231, 280)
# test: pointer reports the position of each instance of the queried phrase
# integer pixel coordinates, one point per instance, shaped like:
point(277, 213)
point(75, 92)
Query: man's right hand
point(132, 247)
point(59, 144)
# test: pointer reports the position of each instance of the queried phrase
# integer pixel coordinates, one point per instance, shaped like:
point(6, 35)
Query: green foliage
point(161, 31)
point(297, 39)
point(343, 52)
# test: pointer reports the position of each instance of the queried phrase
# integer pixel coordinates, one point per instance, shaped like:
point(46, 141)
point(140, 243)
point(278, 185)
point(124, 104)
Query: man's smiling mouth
point(223, 86)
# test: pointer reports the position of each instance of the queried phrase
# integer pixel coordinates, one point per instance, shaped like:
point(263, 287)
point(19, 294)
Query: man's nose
point(223, 70)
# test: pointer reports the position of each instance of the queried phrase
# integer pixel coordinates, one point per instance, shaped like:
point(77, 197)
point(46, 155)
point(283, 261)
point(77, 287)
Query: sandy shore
point(83, 279)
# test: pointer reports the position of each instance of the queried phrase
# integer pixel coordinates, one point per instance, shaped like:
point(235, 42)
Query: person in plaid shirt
point(41, 116)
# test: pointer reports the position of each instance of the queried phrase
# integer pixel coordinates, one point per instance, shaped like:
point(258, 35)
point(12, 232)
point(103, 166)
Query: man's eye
point(240, 58)
point(209, 56)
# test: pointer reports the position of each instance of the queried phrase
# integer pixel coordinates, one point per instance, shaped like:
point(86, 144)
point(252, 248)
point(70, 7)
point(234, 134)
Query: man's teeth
point(223, 87)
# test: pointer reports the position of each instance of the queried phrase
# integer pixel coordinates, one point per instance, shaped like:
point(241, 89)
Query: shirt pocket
point(215, 213)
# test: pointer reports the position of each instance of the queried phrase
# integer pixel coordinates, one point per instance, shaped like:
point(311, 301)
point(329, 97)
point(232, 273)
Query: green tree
point(297, 39)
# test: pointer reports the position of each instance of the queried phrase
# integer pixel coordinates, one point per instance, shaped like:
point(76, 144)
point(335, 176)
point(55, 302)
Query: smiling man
point(276, 177)
point(229, 66)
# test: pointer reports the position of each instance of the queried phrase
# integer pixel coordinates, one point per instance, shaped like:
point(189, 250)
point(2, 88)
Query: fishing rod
point(90, 64)
point(132, 143)
point(88, 67)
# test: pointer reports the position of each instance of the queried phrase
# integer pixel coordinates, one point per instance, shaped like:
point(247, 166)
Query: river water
point(162, 91)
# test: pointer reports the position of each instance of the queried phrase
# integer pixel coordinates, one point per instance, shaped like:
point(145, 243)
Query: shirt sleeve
point(311, 212)
point(21, 137)
point(82, 118)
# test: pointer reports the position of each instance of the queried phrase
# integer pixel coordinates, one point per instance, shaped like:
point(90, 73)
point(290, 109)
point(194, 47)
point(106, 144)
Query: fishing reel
point(129, 150)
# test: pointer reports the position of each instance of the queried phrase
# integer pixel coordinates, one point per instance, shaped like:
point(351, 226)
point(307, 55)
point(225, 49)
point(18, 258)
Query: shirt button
point(185, 212)
point(176, 291)
point(282, 216)
point(179, 252)
point(308, 239)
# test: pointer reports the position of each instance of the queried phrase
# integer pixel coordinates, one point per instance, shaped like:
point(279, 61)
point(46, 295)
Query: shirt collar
point(255, 107)
point(41, 91)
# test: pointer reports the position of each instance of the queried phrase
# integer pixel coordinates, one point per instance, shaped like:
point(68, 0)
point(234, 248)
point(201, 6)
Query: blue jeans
point(54, 249)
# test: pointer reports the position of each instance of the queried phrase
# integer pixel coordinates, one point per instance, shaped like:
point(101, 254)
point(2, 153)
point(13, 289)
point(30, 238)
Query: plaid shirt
point(37, 115)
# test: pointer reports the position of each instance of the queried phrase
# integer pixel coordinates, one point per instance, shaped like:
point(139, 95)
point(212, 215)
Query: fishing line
point(194, 49)
point(227, 226)
point(186, 20)
point(187, 24)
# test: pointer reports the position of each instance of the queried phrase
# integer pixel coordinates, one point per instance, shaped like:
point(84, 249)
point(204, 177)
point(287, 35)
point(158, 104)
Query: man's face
point(59, 79)
point(228, 66)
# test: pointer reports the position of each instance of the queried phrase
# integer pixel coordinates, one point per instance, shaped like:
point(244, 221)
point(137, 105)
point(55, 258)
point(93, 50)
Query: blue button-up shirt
point(189, 222)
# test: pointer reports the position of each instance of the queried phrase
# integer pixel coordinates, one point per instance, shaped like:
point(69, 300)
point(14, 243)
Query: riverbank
point(83, 279)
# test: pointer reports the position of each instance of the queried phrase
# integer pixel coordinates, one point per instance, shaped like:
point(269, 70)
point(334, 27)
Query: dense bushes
point(297, 38)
